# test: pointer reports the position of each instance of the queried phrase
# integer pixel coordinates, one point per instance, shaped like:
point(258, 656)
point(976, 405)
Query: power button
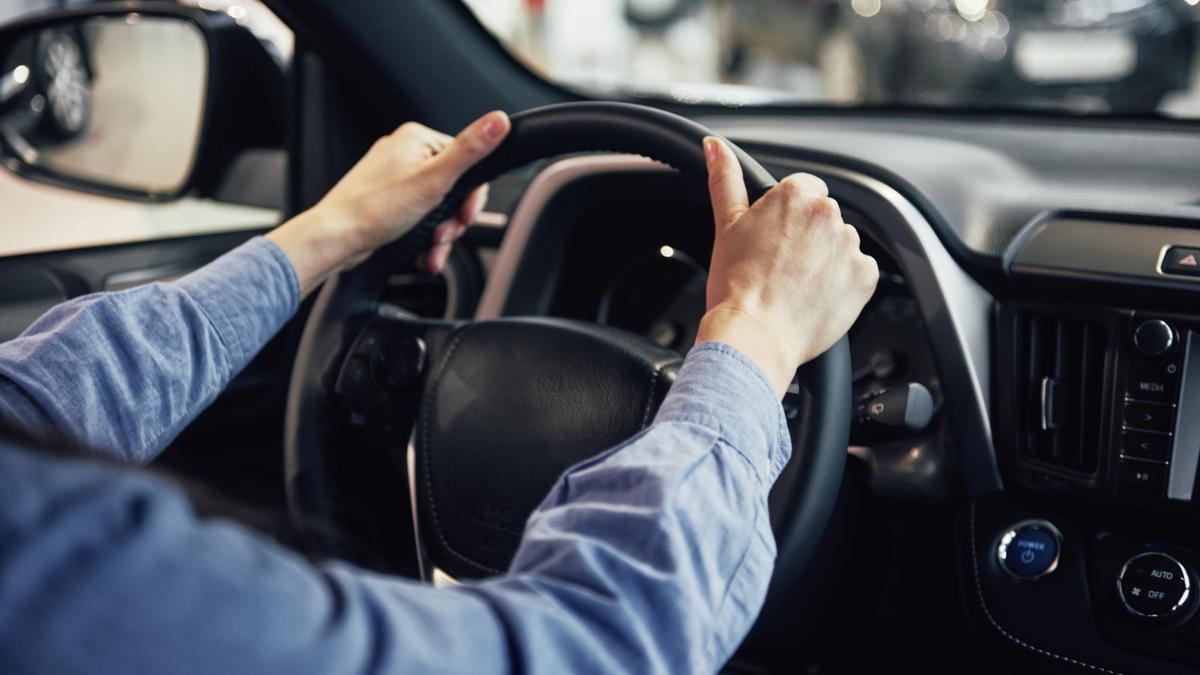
point(1029, 549)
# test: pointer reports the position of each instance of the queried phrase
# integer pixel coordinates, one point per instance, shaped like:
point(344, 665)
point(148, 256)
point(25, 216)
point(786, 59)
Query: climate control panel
point(1155, 586)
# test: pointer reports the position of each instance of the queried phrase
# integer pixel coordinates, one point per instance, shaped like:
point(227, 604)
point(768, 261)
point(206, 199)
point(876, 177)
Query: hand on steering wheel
point(401, 179)
point(786, 266)
point(472, 443)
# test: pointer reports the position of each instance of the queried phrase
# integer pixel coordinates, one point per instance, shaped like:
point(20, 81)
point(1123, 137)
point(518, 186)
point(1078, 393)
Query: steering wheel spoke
point(379, 382)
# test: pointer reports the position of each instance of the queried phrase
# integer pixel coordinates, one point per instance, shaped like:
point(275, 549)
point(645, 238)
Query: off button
point(1155, 586)
point(1029, 549)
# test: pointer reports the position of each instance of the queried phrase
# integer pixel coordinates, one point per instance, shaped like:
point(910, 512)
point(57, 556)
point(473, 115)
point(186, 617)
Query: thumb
point(471, 144)
point(726, 187)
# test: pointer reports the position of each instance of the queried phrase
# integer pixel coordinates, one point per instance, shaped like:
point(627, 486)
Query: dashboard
point(642, 267)
point(1047, 313)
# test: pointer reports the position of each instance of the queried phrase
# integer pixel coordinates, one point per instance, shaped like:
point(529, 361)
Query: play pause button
point(1148, 475)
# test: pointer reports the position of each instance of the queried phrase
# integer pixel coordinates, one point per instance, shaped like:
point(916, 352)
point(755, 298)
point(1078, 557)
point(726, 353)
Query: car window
point(1078, 56)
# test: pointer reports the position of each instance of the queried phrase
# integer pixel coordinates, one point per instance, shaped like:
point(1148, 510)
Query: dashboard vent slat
point(1061, 362)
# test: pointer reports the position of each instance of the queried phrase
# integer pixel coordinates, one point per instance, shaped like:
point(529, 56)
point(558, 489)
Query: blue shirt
point(106, 571)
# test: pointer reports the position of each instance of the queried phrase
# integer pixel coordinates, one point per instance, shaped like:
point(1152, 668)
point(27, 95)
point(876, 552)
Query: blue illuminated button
point(1029, 549)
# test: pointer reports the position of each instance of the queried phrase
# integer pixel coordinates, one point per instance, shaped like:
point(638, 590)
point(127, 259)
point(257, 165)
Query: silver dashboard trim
point(539, 193)
point(967, 305)
point(1185, 450)
point(1080, 248)
point(954, 299)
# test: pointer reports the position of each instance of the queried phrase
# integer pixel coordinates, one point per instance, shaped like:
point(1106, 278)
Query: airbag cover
point(509, 407)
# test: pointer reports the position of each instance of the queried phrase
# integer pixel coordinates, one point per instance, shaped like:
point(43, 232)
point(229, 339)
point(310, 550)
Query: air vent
point(1060, 389)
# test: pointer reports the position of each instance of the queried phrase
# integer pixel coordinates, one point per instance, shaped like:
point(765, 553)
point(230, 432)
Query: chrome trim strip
point(1045, 405)
point(954, 300)
point(1130, 458)
point(410, 461)
point(539, 193)
point(1152, 432)
point(1142, 401)
point(1185, 451)
point(1162, 257)
point(429, 573)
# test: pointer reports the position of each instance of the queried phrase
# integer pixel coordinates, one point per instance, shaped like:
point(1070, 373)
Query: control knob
point(1155, 586)
point(1154, 338)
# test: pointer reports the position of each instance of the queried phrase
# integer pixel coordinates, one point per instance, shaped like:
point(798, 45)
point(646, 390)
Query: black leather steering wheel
point(498, 409)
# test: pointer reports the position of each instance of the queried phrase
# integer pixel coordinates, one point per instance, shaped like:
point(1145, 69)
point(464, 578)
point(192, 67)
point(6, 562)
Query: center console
point(1091, 554)
point(1102, 409)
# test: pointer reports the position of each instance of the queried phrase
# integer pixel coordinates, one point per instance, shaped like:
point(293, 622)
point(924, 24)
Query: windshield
point(1080, 56)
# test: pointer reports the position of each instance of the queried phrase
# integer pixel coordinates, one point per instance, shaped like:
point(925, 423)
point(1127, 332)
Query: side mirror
point(134, 100)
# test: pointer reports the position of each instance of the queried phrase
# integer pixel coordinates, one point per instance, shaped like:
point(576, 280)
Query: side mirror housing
point(139, 100)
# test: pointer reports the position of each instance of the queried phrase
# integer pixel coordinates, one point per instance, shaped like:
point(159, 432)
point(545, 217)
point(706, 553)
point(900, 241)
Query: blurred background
point(1101, 56)
point(1127, 57)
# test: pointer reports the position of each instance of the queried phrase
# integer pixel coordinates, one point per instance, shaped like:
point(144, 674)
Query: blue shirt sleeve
point(123, 373)
point(652, 557)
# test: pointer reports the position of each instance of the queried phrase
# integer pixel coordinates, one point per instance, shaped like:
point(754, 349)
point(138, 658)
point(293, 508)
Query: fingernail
point(494, 125)
point(710, 149)
point(442, 234)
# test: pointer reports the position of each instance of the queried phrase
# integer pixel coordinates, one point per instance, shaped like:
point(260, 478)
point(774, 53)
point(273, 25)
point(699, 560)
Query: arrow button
point(1148, 417)
point(1146, 446)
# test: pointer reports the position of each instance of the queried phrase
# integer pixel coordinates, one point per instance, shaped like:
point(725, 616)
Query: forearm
point(316, 244)
point(123, 373)
point(654, 557)
point(663, 546)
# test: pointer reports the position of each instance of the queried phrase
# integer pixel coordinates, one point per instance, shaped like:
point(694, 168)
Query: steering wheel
point(499, 409)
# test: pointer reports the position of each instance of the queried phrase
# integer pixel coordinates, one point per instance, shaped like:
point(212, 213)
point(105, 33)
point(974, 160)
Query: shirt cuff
point(720, 388)
point(248, 294)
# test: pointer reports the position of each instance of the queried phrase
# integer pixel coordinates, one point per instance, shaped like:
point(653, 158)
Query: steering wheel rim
point(803, 502)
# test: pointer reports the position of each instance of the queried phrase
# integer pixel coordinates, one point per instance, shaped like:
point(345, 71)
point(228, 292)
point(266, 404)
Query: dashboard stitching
point(430, 405)
point(996, 624)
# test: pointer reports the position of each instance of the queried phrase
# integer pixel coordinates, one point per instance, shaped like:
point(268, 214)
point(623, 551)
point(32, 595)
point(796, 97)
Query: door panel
point(235, 445)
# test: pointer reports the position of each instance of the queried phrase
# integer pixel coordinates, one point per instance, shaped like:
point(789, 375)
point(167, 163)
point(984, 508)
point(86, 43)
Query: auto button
point(1154, 586)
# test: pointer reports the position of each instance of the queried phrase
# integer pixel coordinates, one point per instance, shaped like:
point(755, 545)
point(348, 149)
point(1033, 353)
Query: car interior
point(996, 471)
